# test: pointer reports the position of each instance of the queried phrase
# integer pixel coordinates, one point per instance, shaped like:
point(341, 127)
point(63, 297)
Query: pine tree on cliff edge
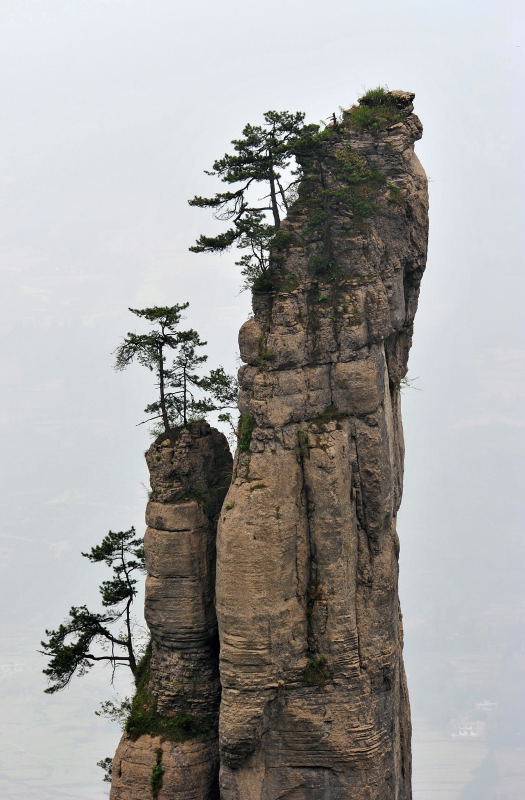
point(86, 636)
point(183, 393)
point(264, 155)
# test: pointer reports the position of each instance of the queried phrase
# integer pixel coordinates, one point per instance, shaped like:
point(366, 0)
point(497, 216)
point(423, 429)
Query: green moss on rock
point(144, 717)
point(376, 111)
point(246, 426)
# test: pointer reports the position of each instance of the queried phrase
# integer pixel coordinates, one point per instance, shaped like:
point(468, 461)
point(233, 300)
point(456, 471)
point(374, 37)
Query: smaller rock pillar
point(170, 750)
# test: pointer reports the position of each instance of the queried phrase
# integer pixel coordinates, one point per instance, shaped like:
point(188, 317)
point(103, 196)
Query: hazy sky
point(112, 109)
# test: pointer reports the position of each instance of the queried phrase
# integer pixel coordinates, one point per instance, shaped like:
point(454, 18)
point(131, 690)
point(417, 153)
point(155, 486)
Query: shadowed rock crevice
point(314, 701)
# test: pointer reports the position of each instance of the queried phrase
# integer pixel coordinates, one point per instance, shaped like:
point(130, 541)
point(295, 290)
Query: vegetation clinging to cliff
point(376, 111)
point(246, 426)
point(340, 187)
point(264, 155)
point(145, 718)
point(285, 146)
point(77, 644)
point(317, 671)
point(157, 773)
point(183, 393)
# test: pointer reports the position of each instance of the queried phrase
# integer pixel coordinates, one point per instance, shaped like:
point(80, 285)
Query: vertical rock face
point(314, 701)
point(175, 713)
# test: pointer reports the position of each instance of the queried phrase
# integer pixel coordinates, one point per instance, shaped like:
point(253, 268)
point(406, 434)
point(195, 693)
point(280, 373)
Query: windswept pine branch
point(261, 156)
point(84, 637)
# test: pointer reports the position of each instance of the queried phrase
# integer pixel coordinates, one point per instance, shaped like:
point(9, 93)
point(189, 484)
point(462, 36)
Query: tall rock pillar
point(314, 700)
point(170, 750)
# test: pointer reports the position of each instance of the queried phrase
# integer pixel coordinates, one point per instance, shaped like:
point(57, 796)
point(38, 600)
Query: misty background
point(111, 111)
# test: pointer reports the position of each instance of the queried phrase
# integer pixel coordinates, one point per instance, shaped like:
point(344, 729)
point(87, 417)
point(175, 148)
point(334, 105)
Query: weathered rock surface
point(314, 701)
point(190, 768)
point(189, 479)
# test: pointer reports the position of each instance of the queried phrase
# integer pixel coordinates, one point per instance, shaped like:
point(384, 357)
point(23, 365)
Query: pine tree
point(182, 390)
point(264, 155)
point(87, 637)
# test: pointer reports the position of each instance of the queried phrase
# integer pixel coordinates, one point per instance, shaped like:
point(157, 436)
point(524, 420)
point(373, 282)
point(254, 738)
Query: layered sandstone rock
point(189, 769)
point(180, 691)
point(314, 702)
